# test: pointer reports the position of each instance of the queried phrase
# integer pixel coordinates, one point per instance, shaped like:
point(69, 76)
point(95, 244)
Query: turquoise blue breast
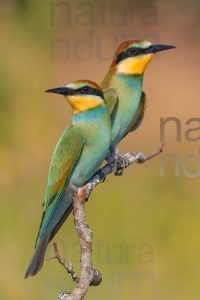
point(129, 89)
point(97, 129)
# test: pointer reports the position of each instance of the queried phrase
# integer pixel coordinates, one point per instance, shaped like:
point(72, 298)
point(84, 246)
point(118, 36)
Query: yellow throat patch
point(80, 103)
point(135, 65)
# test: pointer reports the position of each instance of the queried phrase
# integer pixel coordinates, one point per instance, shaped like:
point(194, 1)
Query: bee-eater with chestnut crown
point(123, 85)
point(78, 154)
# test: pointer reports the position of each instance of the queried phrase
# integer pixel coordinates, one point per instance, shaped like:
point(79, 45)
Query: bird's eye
point(132, 50)
point(85, 89)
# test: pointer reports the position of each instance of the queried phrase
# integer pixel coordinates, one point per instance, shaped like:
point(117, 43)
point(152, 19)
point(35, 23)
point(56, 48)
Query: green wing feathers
point(65, 155)
point(111, 99)
point(140, 113)
point(59, 196)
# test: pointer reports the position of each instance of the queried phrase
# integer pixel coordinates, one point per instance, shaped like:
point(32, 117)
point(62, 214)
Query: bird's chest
point(95, 149)
point(90, 161)
point(129, 94)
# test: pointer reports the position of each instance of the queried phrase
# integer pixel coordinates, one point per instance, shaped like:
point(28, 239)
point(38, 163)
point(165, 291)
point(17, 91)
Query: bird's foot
point(112, 156)
point(122, 162)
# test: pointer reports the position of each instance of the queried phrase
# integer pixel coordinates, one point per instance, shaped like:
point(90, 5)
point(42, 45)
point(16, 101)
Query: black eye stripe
point(130, 53)
point(87, 90)
point(84, 90)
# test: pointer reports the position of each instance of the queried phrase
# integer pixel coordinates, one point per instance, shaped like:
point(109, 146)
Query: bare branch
point(155, 153)
point(89, 276)
point(125, 160)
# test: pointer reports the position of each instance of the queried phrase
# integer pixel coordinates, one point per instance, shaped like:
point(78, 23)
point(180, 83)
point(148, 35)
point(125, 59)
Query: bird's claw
point(121, 163)
point(112, 154)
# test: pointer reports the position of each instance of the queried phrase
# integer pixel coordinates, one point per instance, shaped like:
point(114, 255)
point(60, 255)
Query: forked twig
point(67, 266)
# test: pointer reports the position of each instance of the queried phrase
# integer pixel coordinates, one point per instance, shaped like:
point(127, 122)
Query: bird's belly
point(129, 89)
point(125, 115)
point(119, 128)
point(88, 164)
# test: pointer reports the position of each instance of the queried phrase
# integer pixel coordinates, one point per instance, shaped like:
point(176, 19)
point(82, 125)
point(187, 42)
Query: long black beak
point(60, 90)
point(158, 48)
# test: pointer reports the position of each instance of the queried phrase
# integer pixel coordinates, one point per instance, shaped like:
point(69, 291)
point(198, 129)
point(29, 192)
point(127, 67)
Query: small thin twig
point(89, 276)
point(158, 151)
point(67, 266)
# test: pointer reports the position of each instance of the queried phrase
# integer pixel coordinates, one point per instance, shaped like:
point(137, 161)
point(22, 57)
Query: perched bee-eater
point(123, 85)
point(78, 154)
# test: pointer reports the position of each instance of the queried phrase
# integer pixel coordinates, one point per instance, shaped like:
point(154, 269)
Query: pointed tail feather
point(48, 231)
point(38, 258)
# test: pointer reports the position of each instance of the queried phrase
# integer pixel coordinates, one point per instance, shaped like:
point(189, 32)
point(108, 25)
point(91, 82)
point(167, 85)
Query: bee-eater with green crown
point(78, 154)
point(123, 85)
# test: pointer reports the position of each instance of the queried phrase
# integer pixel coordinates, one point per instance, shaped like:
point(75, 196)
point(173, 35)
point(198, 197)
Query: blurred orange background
point(146, 227)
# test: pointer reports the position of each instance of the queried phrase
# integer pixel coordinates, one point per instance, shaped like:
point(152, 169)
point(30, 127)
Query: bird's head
point(82, 95)
point(132, 57)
